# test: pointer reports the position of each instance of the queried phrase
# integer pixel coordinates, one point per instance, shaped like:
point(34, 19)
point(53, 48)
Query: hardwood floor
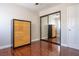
point(66, 51)
point(39, 48)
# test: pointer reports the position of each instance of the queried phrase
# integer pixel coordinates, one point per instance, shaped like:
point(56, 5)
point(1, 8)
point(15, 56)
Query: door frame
point(13, 32)
point(48, 22)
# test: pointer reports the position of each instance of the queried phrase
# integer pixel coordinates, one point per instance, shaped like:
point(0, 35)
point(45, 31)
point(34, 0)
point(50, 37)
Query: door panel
point(44, 28)
point(50, 27)
point(73, 25)
point(21, 33)
point(54, 21)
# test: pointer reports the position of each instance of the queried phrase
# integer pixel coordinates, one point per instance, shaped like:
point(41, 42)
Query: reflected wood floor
point(55, 39)
point(39, 48)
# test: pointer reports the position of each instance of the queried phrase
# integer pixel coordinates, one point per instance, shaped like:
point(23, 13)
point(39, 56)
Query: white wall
point(64, 28)
point(11, 11)
point(73, 26)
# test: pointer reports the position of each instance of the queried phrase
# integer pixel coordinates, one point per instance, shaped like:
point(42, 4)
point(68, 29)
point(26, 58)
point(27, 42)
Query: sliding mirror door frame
point(48, 23)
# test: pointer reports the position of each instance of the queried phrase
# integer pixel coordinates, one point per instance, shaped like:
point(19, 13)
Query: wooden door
point(22, 33)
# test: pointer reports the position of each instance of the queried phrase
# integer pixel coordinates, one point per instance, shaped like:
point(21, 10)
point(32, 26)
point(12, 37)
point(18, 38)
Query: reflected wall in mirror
point(50, 27)
point(44, 28)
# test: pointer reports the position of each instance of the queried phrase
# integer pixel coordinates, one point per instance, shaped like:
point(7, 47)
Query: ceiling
point(37, 8)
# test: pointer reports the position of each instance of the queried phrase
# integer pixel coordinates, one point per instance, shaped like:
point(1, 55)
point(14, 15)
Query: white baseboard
point(64, 45)
point(6, 46)
point(35, 40)
point(69, 46)
point(44, 37)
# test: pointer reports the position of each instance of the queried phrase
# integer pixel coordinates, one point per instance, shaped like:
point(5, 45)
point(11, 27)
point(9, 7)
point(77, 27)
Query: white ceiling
point(37, 8)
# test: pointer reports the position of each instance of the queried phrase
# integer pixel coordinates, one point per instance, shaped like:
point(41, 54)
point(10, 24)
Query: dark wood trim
point(22, 20)
point(30, 32)
point(60, 33)
point(48, 22)
point(13, 32)
point(48, 28)
point(40, 28)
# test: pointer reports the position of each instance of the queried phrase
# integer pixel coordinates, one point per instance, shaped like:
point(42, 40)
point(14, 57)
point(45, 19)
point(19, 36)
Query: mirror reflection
point(44, 28)
point(50, 28)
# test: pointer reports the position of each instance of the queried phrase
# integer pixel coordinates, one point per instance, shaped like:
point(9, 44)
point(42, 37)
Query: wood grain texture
point(40, 48)
point(54, 31)
point(21, 33)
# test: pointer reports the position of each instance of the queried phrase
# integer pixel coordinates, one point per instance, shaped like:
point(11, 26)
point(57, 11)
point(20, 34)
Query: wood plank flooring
point(40, 48)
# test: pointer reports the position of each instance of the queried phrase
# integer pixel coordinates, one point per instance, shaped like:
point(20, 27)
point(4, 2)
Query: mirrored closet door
point(44, 28)
point(54, 28)
point(50, 28)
